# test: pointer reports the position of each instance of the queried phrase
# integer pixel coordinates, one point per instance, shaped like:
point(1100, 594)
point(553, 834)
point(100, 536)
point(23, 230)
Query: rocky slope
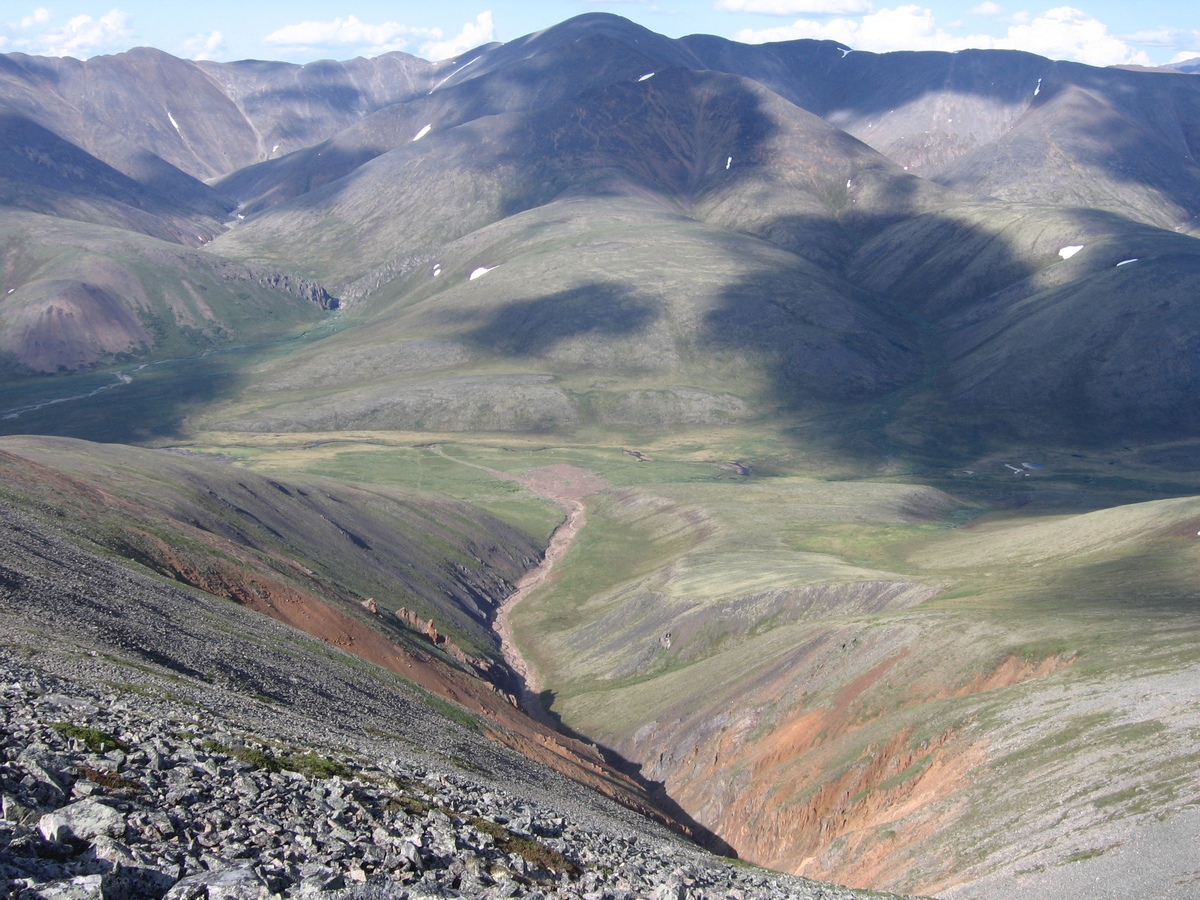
point(307, 555)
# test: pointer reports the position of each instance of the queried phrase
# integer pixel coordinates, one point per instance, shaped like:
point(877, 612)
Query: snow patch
point(481, 271)
point(10, 290)
point(174, 124)
point(420, 134)
point(275, 149)
point(1068, 252)
point(1126, 262)
point(728, 163)
point(437, 270)
point(647, 75)
point(455, 72)
point(845, 52)
point(1037, 90)
point(240, 216)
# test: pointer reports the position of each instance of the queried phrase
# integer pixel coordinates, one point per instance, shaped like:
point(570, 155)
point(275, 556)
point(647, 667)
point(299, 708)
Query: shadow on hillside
point(937, 343)
point(656, 790)
point(154, 405)
point(536, 326)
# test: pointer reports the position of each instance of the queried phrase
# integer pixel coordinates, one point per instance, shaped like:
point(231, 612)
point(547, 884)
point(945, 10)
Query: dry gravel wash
point(214, 705)
point(566, 486)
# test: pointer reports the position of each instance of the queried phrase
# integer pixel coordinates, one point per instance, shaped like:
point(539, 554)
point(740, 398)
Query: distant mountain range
point(716, 231)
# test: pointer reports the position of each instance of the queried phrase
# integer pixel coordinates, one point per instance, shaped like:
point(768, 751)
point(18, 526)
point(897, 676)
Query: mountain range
point(864, 384)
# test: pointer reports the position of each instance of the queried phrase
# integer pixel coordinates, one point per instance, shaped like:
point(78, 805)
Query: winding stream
point(566, 486)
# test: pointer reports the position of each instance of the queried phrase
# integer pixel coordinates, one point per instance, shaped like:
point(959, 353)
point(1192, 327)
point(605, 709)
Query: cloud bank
point(1060, 33)
point(350, 35)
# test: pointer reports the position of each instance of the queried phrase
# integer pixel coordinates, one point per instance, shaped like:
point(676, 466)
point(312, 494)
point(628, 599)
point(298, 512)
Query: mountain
point(794, 443)
point(1188, 65)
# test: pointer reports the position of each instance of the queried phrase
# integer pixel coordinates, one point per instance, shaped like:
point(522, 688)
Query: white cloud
point(795, 7)
point(902, 28)
point(81, 36)
point(348, 33)
point(988, 9)
point(353, 35)
point(84, 36)
point(1184, 56)
point(39, 16)
point(1069, 33)
point(203, 46)
point(1060, 33)
point(1163, 37)
point(481, 31)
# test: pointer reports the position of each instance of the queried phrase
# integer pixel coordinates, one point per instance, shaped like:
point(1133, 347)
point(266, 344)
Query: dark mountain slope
point(41, 172)
point(997, 122)
point(689, 163)
point(120, 110)
point(1129, 150)
point(183, 516)
point(290, 107)
point(165, 124)
point(122, 520)
point(562, 64)
point(683, 137)
point(201, 118)
point(878, 263)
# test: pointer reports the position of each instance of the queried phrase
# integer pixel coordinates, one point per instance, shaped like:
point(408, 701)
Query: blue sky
point(1099, 32)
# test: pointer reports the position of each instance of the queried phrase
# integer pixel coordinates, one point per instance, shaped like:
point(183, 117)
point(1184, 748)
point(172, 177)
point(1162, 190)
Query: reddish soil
point(285, 603)
point(786, 801)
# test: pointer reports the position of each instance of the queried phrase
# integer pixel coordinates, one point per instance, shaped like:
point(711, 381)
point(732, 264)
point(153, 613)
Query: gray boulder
point(83, 821)
point(240, 883)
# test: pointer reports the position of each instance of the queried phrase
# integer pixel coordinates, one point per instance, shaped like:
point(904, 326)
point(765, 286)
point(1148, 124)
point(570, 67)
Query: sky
point(1097, 32)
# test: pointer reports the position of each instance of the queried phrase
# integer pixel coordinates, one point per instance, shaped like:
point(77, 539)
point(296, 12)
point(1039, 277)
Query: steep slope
point(420, 167)
point(1119, 142)
point(840, 685)
point(552, 67)
point(864, 281)
point(1051, 325)
point(145, 111)
point(41, 172)
point(329, 540)
point(541, 197)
